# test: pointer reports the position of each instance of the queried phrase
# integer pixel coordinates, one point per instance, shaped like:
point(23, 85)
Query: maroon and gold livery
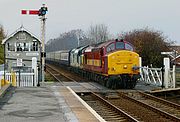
point(113, 62)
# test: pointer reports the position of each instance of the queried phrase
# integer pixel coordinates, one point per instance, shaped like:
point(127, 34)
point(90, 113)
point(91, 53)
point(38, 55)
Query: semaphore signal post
point(41, 12)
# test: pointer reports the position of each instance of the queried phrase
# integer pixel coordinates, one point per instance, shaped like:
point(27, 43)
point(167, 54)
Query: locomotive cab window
point(119, 45)
point(128, 47)
point(110, 47)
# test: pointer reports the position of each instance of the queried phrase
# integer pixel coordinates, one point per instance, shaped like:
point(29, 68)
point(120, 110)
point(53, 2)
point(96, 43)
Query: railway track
point(105, 109)
point(67, 79)
point(59, 76)
point(172, 95)
point(123, 108)
point(111, 112)
point(126, 106)
point(158, 103)
point(133, 108)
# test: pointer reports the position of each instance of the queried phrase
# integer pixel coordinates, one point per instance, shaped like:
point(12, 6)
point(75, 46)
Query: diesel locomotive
point(113, 63)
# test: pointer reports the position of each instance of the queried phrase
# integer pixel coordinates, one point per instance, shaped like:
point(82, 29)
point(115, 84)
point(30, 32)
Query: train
point(113, 63)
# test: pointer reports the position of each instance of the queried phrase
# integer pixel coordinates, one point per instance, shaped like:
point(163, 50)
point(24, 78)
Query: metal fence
point(155, 76)
point(22, 79)
point(151, 75)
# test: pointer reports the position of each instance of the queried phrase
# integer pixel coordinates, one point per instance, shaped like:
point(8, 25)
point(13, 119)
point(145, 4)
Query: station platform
point(49, 103)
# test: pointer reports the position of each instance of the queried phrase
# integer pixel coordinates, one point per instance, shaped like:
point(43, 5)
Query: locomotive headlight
point(112, 69)
point(125, 67)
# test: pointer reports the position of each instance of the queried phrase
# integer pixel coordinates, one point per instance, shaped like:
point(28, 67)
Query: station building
point(20, 47)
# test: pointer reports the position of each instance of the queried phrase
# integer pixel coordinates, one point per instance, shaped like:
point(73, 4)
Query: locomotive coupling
point(135, 68)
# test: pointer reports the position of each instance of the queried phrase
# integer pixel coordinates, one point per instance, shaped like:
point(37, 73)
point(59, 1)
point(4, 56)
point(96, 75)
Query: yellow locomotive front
point(123, 62)
point(122, 65)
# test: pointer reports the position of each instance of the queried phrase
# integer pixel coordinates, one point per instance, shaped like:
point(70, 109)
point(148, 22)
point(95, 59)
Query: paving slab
point(30, 105)
point(82, 113)
point(48, 103)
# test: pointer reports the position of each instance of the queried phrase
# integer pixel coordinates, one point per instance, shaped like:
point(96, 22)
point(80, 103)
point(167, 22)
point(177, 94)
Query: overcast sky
point(118, 15)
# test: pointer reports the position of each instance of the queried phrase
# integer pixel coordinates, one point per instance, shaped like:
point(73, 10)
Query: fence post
point(140, 64)
point(166, 72)
point(19, 77)
point(13, 75)
point(162, 71)
point(33, 76)
point(34, 67)
point(173, 76)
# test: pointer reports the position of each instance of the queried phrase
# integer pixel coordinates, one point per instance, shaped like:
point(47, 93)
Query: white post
point(174, 77)
point(166, 72)
point(140, 65)
point(34, 67)
point(140, 62)
point(43, 20)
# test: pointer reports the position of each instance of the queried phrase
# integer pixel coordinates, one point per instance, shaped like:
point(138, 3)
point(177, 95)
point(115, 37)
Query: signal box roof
point(21, 29)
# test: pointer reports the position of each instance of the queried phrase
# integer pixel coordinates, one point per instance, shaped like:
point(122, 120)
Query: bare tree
point(67, 41)
point(149, 44)
point(98, 33)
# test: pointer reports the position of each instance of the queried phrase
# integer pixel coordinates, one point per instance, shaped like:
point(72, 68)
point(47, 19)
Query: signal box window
point(34, 46)
point(26, 47)
point(20, 46)
point(10, 46)
point(119, 45)
point(110, 47)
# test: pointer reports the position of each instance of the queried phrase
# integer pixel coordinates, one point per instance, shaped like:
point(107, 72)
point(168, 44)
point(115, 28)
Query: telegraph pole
point(41, 12)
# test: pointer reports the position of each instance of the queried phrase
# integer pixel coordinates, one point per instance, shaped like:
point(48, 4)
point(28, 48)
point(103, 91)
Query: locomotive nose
point(123, 62)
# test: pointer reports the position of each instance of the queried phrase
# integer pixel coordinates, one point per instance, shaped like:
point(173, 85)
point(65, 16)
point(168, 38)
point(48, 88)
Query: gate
point(151, 75)
point(157, 77)
point(22, 79)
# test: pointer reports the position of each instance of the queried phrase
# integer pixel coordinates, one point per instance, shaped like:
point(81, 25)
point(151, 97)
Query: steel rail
point(124, 114)
point(171, 104)
point(54, 75)
point(128, 117)
point(163, 113)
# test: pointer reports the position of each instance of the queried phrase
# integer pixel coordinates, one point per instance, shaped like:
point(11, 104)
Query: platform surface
point(80, 111)
point(43, 104)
